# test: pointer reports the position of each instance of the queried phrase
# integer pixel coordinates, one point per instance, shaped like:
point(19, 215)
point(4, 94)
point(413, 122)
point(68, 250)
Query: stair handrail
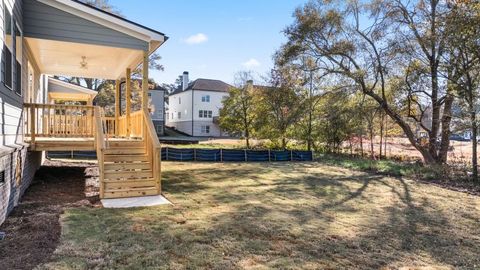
point(153, 147)
point(100, 147)
point(103, 120)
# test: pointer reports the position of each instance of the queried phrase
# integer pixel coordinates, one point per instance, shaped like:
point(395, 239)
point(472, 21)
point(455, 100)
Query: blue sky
point(213, 38)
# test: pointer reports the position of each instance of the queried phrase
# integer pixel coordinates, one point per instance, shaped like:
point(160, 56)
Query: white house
point(194, 107)
point(157, 109)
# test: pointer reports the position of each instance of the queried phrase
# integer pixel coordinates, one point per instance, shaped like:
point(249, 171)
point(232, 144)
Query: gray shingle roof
point(205, 85)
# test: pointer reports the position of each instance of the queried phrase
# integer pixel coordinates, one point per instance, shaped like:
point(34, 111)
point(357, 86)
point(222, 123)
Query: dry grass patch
point(288, 216)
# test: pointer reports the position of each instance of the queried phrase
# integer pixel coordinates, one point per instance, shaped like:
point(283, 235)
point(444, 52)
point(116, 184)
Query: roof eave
point(107, 19)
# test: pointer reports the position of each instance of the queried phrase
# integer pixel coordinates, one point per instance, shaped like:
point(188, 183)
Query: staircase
point(127, 171)
point(128, 167)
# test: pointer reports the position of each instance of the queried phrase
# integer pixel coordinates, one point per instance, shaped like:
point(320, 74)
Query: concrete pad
point(135, 202)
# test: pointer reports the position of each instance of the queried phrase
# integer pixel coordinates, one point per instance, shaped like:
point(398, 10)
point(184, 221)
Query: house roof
point(205, 85)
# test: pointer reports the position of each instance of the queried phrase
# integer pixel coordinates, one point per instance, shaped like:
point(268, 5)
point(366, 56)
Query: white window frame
point(18, 52)
point(205, 129)
point(206, 98)
point(7, 46)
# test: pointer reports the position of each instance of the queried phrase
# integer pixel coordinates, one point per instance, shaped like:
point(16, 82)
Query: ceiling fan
point(83, 63)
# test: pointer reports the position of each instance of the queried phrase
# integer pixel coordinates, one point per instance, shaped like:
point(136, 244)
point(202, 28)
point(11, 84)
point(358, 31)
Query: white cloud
point(251, 63)
point(196, 39)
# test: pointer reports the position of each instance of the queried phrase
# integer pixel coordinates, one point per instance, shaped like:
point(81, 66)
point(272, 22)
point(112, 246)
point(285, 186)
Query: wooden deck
point(69, 144)
point(128, 149)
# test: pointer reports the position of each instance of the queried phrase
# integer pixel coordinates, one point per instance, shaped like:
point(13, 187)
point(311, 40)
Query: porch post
point(117, 106)
point(128, 96)
point(145, 91)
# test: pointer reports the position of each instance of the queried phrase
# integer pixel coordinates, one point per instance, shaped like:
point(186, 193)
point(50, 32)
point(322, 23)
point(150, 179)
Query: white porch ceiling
point(64, 59)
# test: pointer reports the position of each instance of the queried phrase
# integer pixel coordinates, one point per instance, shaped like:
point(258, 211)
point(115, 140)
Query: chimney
point(185, 80)
point(249, 84)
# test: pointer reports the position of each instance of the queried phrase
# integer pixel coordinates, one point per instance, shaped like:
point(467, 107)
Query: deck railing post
point(32, 124)
point(117, 107)
point(145, 88)
point(128, 97)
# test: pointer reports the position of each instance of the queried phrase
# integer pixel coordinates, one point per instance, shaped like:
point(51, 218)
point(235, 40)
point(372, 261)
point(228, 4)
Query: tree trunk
point(361, 141)
point(382, 116)
point(309, 130)
point(473, 117)
point(372, 151)
point(385, 140)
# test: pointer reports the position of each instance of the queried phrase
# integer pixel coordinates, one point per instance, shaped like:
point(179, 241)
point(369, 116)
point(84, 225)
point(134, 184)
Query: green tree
point(279, 105)
point(237, 115)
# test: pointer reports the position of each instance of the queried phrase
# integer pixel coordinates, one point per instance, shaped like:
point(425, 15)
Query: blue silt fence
point(234, 155)
point(207, 155)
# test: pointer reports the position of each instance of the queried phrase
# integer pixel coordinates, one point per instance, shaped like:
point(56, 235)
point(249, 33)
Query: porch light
point(84, 64)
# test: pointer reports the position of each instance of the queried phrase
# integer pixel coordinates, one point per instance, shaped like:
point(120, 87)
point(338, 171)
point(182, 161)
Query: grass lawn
point(282, 215)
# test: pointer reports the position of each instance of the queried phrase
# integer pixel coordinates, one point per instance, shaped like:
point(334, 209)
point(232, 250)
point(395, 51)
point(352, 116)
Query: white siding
point(185, 123)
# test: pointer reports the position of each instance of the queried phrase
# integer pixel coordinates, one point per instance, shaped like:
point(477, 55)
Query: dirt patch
point(33, 228)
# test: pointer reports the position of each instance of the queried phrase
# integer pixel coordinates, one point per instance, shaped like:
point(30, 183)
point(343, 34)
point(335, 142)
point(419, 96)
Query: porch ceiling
point(64, 59)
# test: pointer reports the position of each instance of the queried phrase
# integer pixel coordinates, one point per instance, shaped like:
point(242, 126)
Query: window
point(19, 59)
point(206, 98)
point(7, 65)
point(179, 100)
point(205, 129)
point(159, 129)
point(179, 115)
point(204, 114)
point(2, 177)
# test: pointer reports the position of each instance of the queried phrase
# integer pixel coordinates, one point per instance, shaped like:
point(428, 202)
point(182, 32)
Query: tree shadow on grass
point(410, 225)
point(239, 218)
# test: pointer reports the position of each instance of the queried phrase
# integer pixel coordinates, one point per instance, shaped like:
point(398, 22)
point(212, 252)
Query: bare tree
point(374, 46)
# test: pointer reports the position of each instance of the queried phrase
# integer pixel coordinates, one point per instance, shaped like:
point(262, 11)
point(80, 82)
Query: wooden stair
point(127, 170)
point(128, 167)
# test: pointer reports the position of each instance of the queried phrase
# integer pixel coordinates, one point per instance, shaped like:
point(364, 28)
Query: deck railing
point(52, 120)
point(153, 148)
point(136, 125)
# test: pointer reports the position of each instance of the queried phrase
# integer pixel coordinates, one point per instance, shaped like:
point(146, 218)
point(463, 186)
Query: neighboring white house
point(157, 109)
point(194, 107)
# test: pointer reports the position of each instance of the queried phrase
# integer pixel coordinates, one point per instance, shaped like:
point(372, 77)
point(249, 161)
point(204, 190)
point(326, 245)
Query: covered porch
point(85, 42)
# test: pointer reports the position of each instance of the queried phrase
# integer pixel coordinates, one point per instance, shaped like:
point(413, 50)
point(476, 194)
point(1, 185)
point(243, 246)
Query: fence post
point(269, 156)
point(166, 153)
point(194, 154)
point(291, 155)
point(221, 155)
point(245, 151)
